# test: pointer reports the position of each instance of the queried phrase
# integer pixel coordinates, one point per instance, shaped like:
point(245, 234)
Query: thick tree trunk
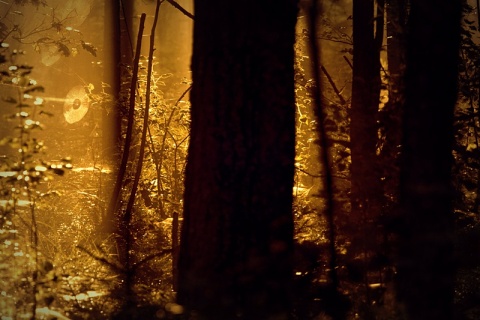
point(111, 120)
point(365, 100)
point(112, 57)
point(237, 236)
point(366, 189)
point(425, 267)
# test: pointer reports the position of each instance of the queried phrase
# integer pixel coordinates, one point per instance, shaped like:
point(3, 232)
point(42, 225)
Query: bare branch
point(334, 86)
point(103, 260)
point(181, 9)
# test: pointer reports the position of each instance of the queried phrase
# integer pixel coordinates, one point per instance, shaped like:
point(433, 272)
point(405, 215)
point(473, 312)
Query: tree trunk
point(237, 236)
point(391, 114)
point(365, 99)
point(366, 189)
point(396, 31)
point(111, 120)
point(425, 266)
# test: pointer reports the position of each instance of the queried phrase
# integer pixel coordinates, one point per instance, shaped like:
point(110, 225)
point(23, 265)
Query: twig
point(334, 86)
point(334, 40)
point(117, 268)
point(158, 172)
point(320, 175)
point(151, 256)
point(167, 126)
point(348, 61)
point(181, 9)
point(183, 94)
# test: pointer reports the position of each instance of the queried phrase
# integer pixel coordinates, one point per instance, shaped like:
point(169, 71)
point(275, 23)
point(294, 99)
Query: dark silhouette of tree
point(390, 115)
point(365, 99)
point(366, 188)
point(237, 236)
point(112, 51)
point(425, 265)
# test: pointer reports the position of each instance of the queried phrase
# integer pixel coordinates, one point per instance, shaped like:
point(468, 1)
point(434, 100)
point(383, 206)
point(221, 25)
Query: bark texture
point(237, 236)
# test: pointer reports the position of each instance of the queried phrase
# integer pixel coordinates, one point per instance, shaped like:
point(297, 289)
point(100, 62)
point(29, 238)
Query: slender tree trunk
point(114, 203)
point(237, 236)
point(396, 32)
point(390, 116)
point(127, 31)
point(425, 267)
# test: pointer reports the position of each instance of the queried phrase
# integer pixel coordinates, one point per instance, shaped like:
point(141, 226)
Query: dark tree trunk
point(396, 30)
point(237, 236)
point(365, 99)
point(111, 120)
point(127, 31)
point(112, 57)
point(425, 267)
point(390, 115)
point(366, 189)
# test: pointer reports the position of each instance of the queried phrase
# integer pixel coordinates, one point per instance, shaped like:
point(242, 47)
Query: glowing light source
point(7, 173)
point(38, 101)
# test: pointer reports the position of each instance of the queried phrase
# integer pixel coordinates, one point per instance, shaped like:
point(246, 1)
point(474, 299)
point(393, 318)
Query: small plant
point(51, 30)
point(28, 278)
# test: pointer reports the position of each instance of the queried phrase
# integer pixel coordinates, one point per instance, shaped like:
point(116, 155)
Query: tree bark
point(426, 266)
point(237, 236)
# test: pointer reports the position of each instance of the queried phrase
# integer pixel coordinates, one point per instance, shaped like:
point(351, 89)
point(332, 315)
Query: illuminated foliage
point(54, 30)
point(28, 275)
